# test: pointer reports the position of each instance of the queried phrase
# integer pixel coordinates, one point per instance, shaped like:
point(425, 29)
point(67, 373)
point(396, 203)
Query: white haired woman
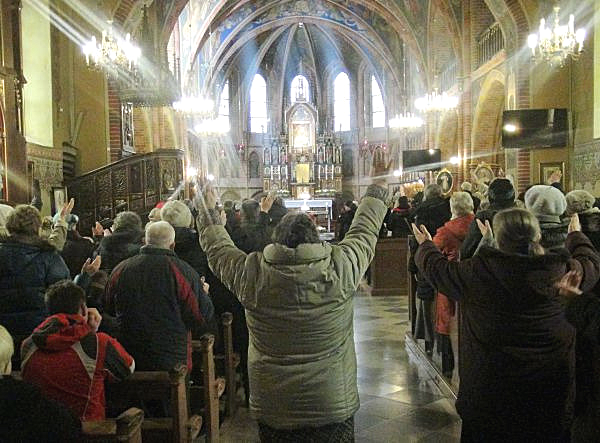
point(517, 348)
point(448, 239)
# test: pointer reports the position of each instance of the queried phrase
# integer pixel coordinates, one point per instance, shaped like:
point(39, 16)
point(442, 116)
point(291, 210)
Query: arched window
point(341, 102)
point(258, 104)
point(377, 107)
point(254, 165)
point(224, 107)
point(299, 89)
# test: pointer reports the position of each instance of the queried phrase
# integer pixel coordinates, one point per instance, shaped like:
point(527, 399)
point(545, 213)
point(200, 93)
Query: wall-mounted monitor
point(535, 128)
point(421, 160)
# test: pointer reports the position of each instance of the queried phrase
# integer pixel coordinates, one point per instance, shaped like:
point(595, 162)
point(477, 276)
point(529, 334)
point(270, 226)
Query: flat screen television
point(421, 160)
point(535, 128)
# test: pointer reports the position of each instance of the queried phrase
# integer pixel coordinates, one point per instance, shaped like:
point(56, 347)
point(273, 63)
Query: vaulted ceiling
point(312, 35)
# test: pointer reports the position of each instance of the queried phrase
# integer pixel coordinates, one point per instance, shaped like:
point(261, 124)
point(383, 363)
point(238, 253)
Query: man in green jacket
point(298, 295)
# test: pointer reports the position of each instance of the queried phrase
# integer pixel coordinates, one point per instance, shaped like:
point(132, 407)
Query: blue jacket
point(28, 265)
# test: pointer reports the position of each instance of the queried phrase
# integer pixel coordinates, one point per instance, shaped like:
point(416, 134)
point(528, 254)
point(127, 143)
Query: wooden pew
point(230, 361)
point(127, 427)
point(205, 398)
point(157, 386)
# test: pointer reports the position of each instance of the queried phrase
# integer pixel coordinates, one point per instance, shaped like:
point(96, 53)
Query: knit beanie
point(127, 221)
point(546, 202)
point(177, 214)
point(501, 191)
point(466, 187)
point(579, 202)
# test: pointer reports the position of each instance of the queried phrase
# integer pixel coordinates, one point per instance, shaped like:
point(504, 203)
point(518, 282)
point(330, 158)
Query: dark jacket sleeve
point(583, 252)
point(469, 244)
point(448, 277)
point(56, 269)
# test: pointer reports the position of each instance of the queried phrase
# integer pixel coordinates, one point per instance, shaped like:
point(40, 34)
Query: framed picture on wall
point(445, 180)
point(547, 169)
point(59, 198)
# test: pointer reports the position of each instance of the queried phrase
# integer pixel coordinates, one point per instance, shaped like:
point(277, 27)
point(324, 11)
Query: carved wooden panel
point(150, 177)
point(119, 182)
point(168, 177)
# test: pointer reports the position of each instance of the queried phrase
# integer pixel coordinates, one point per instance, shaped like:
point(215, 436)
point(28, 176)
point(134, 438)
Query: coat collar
point(305, 253)
point(153, 250)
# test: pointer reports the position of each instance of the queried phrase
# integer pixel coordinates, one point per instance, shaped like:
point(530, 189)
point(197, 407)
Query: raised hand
point(98, 230)
point(93, 319)
point(485, 229)
point(568, 285)
point(267, 202)
point(91, 267)
point(67, 208)
point(421, 235)
point(574, 225)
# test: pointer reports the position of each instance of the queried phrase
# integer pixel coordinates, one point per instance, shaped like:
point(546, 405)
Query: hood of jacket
point(299, 264)
point(590, 222)
point(59, 332)
point(537, 274)
point(17, 252)
point(554, 234)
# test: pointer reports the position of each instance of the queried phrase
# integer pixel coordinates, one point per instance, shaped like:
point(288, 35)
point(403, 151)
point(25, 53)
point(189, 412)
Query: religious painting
point(483, 174)
point(445, 181)
point(548, 169)
point(302, 173)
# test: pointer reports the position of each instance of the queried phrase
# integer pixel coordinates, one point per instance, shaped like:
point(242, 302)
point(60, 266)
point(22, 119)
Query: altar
point(299, 164)
point(321, 209)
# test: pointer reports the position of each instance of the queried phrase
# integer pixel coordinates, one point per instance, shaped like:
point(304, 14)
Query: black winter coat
point(517, 350)
point(253, 237)
point(117, 247)
point(187, 248)
point(27, 416)
point(584, 313)
point(590, 226)
point(157, 298)
point(76, 251)
point(471, 241)
point(433, 214)
point(554, 234)
point(28, 265)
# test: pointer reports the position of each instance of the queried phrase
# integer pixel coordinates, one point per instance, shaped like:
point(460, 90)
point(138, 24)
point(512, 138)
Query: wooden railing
point(489, 43)
point(135, 183)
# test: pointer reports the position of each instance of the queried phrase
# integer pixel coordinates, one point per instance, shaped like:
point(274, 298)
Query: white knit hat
point(546, 202)
point(177, 214)
point(5, 211)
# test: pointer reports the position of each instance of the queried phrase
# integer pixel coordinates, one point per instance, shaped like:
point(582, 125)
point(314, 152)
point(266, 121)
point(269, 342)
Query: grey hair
point(461, 204)
point(160, 234)
point(127, 221)
point(431, 191)
point(295, 229)
point(7, 349)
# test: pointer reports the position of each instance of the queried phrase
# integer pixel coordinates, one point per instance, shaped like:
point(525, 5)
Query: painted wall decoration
point(586, 167)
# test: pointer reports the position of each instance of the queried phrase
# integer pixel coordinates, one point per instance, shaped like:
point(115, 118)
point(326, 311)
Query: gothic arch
point(485, 140)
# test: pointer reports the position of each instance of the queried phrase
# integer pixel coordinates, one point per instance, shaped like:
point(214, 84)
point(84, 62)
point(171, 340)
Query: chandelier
point(556, 44)
point(406, 120)
point(436, 102)
point(112, 53)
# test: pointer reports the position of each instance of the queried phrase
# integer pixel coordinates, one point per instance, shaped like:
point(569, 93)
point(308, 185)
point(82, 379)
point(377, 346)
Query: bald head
point(160, 235)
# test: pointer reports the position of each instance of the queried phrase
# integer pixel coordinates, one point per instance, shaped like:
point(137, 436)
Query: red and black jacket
point(158, 301)
point(69, 362)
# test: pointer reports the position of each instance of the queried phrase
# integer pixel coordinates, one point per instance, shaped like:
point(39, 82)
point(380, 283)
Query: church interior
point(123, 104)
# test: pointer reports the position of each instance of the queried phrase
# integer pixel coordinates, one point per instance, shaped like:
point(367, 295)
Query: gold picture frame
point(483, 173)
point(547, 168)
point(445, 180)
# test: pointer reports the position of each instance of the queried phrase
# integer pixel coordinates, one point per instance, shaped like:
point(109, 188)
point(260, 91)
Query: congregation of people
point(506, 286)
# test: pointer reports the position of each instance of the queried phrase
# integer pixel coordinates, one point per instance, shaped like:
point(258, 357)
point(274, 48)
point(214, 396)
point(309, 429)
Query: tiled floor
point(399, 403)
